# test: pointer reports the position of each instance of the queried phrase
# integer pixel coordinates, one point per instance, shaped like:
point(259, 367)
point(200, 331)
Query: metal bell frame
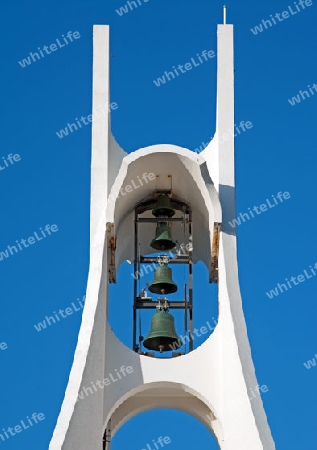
point(145, 302)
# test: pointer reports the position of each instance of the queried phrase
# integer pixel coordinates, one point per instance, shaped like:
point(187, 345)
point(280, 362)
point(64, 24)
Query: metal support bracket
point(111, 248)
point(213, 277)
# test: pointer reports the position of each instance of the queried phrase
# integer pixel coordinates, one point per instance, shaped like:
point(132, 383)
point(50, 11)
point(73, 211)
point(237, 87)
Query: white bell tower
point(211, 382)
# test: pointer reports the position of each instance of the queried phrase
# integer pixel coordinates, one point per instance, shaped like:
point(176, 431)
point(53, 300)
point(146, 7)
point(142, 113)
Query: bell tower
point(178, 216)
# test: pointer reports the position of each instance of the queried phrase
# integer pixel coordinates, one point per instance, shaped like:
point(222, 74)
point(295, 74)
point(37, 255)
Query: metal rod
point(174, 260)
point(136, 276)
point(185, 313)
point(141, 304)
point(224, 14)
point(160, 219)
point(107, 437)
point(190, 268)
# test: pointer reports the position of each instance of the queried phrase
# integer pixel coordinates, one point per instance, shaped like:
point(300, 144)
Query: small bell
point(163, 206)
point(163, 283)
point(162, 336)
point(163, 238)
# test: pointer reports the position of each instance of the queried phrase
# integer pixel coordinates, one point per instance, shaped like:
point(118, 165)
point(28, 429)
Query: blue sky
point(49, 183)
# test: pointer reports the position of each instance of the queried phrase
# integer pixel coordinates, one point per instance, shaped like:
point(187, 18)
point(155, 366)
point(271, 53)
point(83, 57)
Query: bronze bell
point(163, 283)
point(163, 206)
point(162, 336)
point(163, 238)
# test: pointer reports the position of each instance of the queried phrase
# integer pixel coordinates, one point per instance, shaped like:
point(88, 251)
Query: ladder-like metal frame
point(147, 302)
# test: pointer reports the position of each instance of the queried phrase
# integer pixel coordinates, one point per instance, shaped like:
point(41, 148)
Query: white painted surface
point(216, 395)
point(184, 168)
point(68, 427)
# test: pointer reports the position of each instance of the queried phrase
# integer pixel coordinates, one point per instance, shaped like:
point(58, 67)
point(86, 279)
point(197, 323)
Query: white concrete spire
point(213, 381)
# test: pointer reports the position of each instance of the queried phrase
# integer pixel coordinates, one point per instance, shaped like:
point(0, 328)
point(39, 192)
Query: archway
point(161, 395)
point(166, 429)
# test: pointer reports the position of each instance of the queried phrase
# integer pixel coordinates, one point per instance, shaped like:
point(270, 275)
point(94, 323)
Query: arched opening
point(139, 290)
point(169, 397)
point(163, 428)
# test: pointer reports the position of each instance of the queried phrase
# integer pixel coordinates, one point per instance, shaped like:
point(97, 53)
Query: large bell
point(163, 238)
point(162, 336)
point(163, 206)
point(163, 283)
